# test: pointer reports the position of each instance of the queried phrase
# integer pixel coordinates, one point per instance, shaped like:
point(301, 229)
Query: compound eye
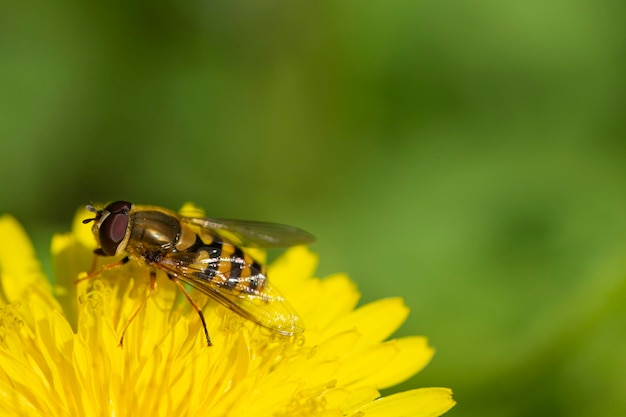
point(118, 206)
point(112, 231)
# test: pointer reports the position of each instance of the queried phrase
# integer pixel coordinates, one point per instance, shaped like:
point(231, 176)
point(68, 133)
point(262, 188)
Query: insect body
point(207, 254)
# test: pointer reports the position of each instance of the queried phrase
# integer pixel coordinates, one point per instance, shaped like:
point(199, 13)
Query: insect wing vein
point(251, 233)
point(266, 306)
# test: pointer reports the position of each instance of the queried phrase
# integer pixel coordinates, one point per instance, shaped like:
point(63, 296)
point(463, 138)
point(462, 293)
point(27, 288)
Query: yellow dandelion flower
point(60, 353)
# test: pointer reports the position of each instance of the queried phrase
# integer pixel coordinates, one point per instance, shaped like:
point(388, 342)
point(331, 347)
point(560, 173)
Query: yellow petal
point(423, 402)
point(412, 354)
point(19, 267)
point(191, 210)
point(338, 346)
point(72, 254)
point(294, 267)
point(70, 257)
point(82, 231)
point(360, 366)
point(376, 321)
point(323, 302)
point(38, 302)
point(359, 397)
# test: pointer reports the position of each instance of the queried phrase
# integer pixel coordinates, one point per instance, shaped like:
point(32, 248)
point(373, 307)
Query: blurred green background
point(468, 156)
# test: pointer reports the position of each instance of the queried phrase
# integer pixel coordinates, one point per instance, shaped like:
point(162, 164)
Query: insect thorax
point(154, 230)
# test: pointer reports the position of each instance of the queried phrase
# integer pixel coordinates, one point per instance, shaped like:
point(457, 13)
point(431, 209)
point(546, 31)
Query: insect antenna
point(92, 209)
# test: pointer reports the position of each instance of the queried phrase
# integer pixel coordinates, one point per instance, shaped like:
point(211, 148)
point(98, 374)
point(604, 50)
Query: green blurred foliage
point(468, 156)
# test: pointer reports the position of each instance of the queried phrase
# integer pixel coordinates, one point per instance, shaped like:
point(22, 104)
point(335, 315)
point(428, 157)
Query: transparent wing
point(252, 233)
point(248, 294)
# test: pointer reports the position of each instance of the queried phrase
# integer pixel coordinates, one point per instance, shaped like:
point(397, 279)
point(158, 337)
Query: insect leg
point(141, 306)
point(92, 273)
point(94, 264)
point(195, 307)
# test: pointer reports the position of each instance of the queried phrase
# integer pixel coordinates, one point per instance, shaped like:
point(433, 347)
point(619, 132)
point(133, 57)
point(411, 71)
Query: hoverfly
point(206, 254)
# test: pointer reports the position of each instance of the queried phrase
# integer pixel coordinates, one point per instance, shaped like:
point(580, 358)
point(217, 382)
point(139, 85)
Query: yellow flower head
point(60, 353)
